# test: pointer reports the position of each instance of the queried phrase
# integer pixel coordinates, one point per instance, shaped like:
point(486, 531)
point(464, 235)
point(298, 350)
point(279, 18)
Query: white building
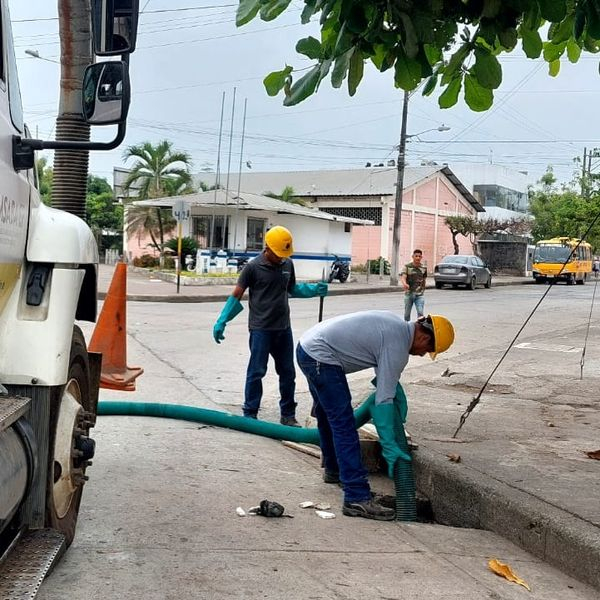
point(237, 225)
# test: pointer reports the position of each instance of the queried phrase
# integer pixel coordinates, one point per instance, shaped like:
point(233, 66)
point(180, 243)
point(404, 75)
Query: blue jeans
point(340, 446)
point(411, 298)
point(280, 345)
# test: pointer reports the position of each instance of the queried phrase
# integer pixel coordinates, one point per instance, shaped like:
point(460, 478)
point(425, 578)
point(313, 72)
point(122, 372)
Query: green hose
point(403, 473)
point(222, 419)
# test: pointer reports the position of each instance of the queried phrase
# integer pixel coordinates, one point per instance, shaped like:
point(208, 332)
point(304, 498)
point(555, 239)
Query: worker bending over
point(350, 343)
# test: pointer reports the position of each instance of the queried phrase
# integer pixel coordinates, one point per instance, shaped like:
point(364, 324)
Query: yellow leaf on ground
point(505, 571)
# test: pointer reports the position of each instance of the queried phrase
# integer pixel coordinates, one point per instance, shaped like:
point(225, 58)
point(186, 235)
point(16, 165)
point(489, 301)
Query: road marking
point(547, 347)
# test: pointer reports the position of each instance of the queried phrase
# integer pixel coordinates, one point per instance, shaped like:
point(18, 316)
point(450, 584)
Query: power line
point(149, 12)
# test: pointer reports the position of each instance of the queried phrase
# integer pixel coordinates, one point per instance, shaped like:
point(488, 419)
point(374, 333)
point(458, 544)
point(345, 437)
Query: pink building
point(430, 194)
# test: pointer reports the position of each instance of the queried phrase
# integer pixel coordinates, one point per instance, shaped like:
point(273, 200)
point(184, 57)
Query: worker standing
point(350, 343)
point(414, 279)
point(270, 280)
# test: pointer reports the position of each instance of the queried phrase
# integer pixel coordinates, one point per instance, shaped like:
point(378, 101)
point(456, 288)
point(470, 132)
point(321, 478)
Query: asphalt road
point(158, 516)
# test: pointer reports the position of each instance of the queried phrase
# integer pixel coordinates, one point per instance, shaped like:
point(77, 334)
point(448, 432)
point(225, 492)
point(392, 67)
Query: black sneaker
point(290, 422)
point(249, 416)
point(368, 509)
point(331, 477)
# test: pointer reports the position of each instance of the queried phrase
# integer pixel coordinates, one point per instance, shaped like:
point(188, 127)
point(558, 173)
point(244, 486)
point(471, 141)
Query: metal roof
point(247, 201)
point(373, 181)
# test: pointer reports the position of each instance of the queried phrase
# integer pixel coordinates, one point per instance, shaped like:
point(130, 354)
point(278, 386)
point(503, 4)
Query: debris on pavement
point(453, 457)
point(240, 511)
point(594, 454)
point(504, 570)
point(306, 504)
point(323, 506)
point(325, 514)
point(268, 508)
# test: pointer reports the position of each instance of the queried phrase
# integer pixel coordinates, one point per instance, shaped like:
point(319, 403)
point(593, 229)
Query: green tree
point(102, 212)
point(463, 225)
point(158, 171)
point(563, 211)
point(287, 194)
point(453, 44)
point(45, 175)
point(472, 228)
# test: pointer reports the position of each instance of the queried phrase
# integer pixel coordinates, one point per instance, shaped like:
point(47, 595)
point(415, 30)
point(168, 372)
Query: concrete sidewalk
point(144, 286)
point(523, 471)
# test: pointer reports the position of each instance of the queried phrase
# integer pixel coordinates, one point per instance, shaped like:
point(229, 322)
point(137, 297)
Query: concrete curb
point(183, 298)
point(464, 497)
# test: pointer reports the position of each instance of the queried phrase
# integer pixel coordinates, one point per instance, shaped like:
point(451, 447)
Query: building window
point(355, 212)
point(255, 238)
point(203, 226)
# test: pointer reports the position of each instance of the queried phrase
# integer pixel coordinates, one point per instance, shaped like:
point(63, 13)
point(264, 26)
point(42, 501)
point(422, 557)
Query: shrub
point(146, 261)
point(169, 262)
point(188, 246)
point(374, 266)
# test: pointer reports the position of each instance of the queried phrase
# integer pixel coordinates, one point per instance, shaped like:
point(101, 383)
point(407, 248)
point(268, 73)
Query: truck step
point(22, 573)
point(12, 408)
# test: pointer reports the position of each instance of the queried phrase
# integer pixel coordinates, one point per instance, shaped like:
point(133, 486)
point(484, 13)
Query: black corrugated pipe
point(71, 166)
point(69, 186)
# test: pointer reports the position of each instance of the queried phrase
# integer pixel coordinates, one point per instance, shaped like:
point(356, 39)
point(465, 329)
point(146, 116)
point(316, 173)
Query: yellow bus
point(550, 256)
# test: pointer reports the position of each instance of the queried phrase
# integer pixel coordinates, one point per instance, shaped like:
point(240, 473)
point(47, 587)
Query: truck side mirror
point(106, 93)
point(114, 23)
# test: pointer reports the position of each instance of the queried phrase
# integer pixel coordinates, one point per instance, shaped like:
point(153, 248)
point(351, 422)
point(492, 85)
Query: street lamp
point(401, 163)
point(36, 54)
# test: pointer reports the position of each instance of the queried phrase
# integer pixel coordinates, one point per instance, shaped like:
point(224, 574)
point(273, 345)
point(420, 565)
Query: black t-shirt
point(268, 286)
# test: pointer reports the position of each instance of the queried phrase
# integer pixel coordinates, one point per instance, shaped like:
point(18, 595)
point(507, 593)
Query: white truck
point(48, 272)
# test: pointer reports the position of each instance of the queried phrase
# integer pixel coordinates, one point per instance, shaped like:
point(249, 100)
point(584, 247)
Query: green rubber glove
point(233, 307)
point(383, 417)
point(399, 400)
point(309, 290)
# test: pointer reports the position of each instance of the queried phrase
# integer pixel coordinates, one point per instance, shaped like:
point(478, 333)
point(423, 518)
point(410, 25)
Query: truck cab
point(48, 273)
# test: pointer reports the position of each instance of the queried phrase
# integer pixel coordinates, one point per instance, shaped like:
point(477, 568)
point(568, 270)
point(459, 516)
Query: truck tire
point(69, 446)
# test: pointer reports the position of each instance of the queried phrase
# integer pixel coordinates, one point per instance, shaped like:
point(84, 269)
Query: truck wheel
point(70, 448)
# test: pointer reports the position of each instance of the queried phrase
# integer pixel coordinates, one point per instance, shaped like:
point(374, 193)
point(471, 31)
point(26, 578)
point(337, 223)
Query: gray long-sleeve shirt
point(357, 341)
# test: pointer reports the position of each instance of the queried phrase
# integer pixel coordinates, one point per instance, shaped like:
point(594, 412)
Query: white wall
point(315, 240)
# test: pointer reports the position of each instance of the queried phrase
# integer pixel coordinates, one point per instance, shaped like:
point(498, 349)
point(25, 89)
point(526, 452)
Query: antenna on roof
point(225, 244)
point(217, 178)
point(239, 186)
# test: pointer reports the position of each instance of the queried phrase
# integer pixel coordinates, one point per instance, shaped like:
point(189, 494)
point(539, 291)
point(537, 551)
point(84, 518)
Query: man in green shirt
point(413, 277)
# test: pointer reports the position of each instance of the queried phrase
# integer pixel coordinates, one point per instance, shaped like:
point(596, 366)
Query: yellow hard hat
point(443, 334)
point(279, 240)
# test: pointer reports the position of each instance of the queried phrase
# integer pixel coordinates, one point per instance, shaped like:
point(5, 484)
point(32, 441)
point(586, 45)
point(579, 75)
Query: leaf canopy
point(454, 44)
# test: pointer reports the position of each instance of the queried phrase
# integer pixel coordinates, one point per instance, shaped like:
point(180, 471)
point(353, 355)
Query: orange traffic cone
point(110, 337)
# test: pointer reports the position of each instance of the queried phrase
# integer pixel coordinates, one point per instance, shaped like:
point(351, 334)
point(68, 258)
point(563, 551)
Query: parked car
point(462, 269)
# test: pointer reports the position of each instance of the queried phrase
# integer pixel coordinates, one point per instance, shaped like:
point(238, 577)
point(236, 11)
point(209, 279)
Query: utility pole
point(71, 166)
point(394, 269)
point(583, 168)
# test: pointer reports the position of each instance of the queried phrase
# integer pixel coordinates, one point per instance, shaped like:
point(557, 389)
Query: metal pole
point(321, 299)
point(217, 178)
point(583, 171)
point(239, 186)
point(398, 201)
point(178, 253)
point(225, 244)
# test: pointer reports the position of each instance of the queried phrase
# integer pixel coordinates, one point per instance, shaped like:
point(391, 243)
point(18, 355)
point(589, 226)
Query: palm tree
point(287, 195)
point(158, 171)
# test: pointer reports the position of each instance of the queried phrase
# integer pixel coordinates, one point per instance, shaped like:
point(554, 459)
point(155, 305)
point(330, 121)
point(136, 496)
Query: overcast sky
point(192, 52)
